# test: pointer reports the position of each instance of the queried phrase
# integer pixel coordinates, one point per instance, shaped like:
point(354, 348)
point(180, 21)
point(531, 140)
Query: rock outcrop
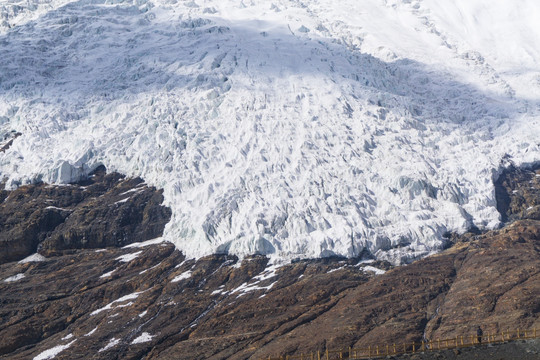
point(105, 210)
point(8, 139)
point(146, 301)
point(518, 194)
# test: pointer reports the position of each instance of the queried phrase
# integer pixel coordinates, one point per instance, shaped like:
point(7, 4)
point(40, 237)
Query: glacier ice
point(288, 128)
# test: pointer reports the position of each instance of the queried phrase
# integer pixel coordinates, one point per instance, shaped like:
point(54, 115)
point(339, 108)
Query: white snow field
point(289, 128)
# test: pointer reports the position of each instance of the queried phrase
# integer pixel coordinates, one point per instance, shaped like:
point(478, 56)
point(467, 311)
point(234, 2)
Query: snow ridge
point(287, 128)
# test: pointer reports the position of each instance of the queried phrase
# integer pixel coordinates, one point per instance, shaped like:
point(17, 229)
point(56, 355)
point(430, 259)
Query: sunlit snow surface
point(290, 128)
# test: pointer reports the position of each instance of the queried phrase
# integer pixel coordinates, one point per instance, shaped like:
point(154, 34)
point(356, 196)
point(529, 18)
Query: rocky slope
point(93, 296)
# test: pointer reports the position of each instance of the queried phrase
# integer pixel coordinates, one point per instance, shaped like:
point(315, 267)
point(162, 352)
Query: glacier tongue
point(289, 128)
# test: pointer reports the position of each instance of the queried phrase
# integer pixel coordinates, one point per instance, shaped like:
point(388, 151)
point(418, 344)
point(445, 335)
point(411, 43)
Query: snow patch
point(57, 208)
point(373, 269)
point(182, 276)
point(180, 265)
point(367, 261)
point(112, 343)
point(246, 288)
point(91, 332)
point(107, 274)
point(33, 258)
point(52, 352)
point(15, 278)
point(153, 267)
point(158, 240)
point(122, 299)
point(268, 273)
point(144, 337)
point(128, 257)
point(135, 190)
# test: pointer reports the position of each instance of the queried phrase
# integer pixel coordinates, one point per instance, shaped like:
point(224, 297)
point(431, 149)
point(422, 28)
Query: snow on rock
point(148, 269)
point(15, 278)
point(144, 243)
point(33, 258)
point(274, 127)
point(112, 343)
point(107, 274)
point(373, 269)
point(182, 276)
point(144, 337)
point(246, 288)
point(91, 332)
point(122, 201)
point(268, 273)
point(128, 257)
point(57, 208)
point(120, 300)
point(336, 269)
point(52, 352)
point(366, 261)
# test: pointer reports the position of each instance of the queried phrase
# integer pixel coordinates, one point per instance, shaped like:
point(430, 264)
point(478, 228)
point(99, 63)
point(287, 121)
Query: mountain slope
point(284, 128)
point(147, 301)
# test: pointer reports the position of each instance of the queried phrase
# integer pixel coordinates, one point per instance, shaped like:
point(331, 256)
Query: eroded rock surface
point(146, 301)
point(518, 194)
point(105, 210)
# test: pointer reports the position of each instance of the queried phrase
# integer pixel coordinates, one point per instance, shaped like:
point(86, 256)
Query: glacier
point(289, 128)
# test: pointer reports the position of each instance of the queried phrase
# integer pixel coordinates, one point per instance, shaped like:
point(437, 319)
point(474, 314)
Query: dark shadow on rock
point(517, 193)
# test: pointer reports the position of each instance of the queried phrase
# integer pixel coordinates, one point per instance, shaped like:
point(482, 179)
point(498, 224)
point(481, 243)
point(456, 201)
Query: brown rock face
point(190, 309)
point(106, 210)
point(518, 194)
point(149, 302)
